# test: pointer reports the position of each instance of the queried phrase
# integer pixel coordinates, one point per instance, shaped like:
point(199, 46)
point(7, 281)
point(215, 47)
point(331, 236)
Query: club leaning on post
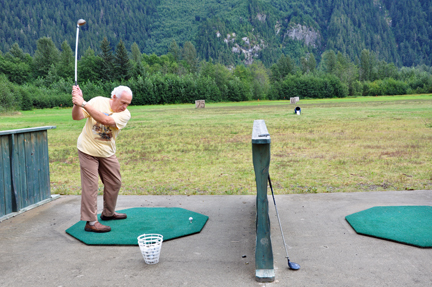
point(79, 23)
point(291, 265)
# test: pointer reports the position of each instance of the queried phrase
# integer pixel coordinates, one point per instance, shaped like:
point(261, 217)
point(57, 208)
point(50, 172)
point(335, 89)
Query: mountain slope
point(232, 31)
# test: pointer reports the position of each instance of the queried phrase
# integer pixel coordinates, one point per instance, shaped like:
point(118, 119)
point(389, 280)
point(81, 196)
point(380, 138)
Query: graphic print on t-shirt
point(102, 133)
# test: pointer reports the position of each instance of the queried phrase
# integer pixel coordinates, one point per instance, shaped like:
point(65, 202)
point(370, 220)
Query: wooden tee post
point(264, 268)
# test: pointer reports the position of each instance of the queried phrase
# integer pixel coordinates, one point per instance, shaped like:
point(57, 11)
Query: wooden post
point(264, 268)
point(200, 104)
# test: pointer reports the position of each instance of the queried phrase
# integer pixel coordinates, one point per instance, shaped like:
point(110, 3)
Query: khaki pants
point(109, 171)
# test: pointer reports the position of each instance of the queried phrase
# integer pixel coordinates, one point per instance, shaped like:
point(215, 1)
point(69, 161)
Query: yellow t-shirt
point(99, 140)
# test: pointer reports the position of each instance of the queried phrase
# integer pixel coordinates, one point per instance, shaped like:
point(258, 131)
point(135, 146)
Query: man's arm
point(77, 113)
point(100, 117)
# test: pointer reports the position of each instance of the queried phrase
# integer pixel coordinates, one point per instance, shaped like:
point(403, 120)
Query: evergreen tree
point(17, 52)
point(275, 75)
point(365, 66)
point(67, 64)
point(107, 60)
point(46, 55)
point(311, 63)
point(16, 65)
point(284, 66)
point(329, 61)
point(189, 55)
point(136, 54)
point(304, 65)
point(90, 67)
point(174, 50)
point(260, 81)
point(138, 69)
point(308, 64)
point(346, 71)
point(123, 67)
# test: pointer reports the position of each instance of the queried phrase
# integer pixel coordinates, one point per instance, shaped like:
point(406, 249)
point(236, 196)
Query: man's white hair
point(118, 91)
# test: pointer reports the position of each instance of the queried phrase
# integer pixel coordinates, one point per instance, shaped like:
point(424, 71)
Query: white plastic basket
point(150, 246)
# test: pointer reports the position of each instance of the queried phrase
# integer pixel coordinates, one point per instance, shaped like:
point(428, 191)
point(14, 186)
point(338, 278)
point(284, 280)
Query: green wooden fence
point(24, 168)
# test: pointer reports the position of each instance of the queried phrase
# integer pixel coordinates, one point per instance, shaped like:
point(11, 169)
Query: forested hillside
point(230, 32)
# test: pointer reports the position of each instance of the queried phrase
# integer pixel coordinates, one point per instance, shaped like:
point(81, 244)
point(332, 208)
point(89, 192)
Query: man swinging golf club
point(96, 151)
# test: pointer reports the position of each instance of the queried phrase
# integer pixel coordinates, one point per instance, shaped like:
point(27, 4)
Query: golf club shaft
point(277, 214)
point(76, 57)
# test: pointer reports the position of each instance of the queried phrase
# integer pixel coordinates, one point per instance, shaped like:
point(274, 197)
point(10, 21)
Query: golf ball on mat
point(190, 219)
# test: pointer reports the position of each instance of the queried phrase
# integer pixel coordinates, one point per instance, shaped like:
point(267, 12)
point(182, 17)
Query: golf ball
point(190, 219)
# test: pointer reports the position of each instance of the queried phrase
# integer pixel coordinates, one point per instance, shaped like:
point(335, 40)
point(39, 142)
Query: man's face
point(120, 104)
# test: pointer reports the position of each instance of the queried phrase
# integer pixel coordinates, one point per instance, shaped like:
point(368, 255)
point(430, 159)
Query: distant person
point(96, 151)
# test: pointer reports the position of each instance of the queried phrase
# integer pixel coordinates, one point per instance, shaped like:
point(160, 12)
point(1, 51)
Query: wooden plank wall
point(24, 176)
point(5, 179)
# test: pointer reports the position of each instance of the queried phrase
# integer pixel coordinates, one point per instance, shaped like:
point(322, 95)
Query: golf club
point(291, 265)
point(80, 23)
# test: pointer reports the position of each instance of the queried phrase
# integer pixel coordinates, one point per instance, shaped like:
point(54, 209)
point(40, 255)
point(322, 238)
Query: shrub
point(356, 88)
point(8, 101)
point(308, 86)
point(26, 101)
point(93, 89)
point(387, 86)
point(394, 87)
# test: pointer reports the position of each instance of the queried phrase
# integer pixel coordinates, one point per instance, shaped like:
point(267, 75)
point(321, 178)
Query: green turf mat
point(170, 222)
point(407, 224)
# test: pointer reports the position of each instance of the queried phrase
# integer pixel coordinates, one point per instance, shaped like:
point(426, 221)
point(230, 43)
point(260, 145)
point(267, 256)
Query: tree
point(243, 73)
point(329, 62)
point(46, 55)
point(174, 50)
point(304, 65)
point(189, 55)
point(17, 52)
point(284, 66)
point(66, 64)
point(138, 69)
point(16, 65)
point(365, 65)
point(8, 101)
point(90, 66)
point(347, 72)
point(136, 53)
point(260, 81)
point(123, 67)
point(386, 70)
point(311, 63)
point(107, 60)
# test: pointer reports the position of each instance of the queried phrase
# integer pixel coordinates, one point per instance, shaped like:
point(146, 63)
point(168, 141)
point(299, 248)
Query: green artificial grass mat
point(170, 222)
point(406, 224)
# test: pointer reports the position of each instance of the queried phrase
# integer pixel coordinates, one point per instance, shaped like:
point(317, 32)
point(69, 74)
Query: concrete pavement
point(36, 251)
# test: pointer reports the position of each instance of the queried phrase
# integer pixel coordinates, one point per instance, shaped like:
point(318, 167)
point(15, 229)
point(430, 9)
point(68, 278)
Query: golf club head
point(293, 266)
point(81, 22)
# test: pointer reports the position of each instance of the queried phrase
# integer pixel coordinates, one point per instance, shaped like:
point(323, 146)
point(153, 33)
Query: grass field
point(335, 145)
